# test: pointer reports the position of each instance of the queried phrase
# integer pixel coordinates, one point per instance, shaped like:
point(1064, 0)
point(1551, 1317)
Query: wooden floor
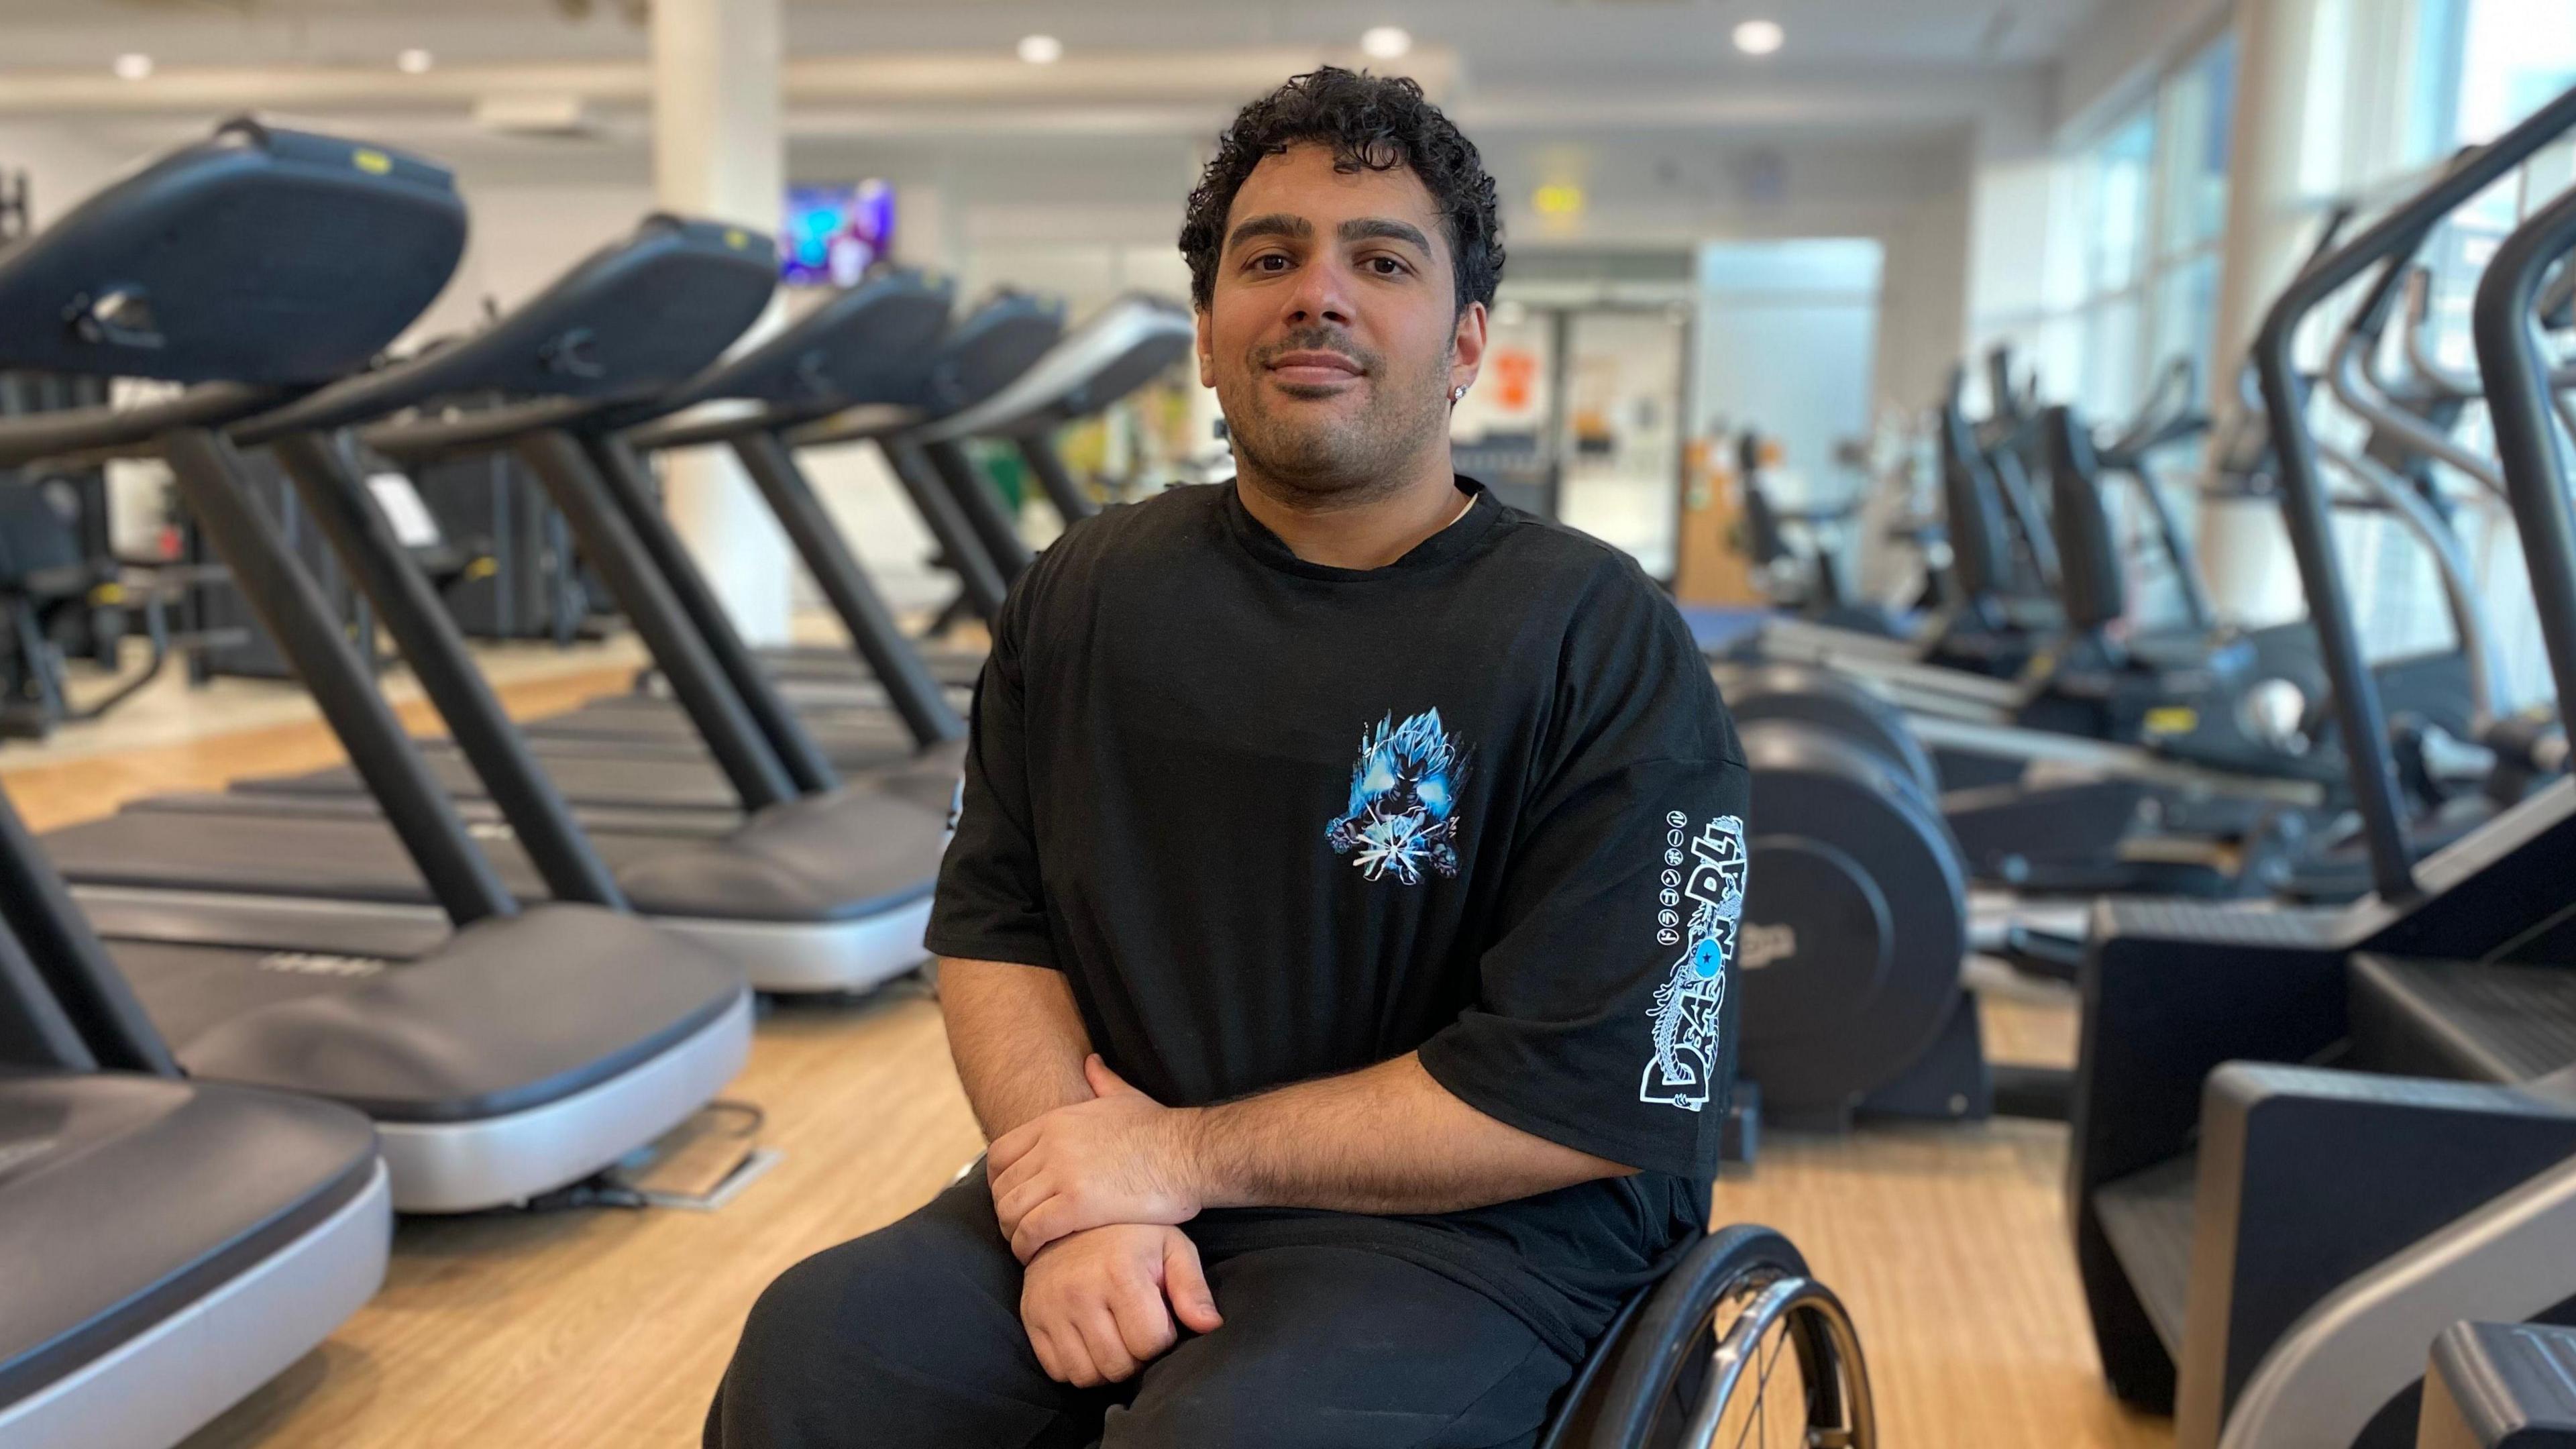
point(608, 1328)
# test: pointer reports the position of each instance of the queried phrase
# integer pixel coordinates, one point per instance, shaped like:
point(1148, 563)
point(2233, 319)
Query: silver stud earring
point(1457, 392)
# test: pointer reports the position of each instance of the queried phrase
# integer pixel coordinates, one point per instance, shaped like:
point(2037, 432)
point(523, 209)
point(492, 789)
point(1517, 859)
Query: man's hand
point(1093, 1303)
point(1120, 1158)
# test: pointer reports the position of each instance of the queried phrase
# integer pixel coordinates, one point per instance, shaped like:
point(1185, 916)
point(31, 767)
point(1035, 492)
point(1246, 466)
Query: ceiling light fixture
point(415, 61)
point(1041, 49)
point(1759, 37)
point(1386, 42)
point(134, 66)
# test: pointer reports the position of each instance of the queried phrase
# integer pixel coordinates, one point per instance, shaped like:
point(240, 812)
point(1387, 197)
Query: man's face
point(1333, 338)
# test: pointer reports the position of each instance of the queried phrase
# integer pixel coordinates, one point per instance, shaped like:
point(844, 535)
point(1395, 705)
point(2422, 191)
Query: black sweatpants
point(910, 1338)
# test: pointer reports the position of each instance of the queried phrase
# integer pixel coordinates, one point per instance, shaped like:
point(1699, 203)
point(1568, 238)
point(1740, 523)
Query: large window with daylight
point(2474, 68)
point(2143, 208)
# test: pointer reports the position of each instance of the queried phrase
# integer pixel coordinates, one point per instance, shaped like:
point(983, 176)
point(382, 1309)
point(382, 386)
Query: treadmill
point(1126, 345)
point(878, 345)
point(172, 1245)
point(501, 1052)
point(811, 889)
point(741, 747)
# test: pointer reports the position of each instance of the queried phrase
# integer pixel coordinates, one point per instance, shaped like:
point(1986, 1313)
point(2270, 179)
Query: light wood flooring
point(608, 1328)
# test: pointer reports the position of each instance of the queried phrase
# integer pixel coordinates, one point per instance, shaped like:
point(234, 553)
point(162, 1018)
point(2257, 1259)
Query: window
point(2142, 211)
point(2472, 69)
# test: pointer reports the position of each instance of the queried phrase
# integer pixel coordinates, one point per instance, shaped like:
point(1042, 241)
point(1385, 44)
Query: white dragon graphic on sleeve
point(1701, 900)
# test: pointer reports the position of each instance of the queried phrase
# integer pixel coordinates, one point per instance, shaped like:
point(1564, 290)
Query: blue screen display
point(833, 234)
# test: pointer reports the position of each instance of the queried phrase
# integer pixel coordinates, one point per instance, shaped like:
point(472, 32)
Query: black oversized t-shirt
point(1276, 820)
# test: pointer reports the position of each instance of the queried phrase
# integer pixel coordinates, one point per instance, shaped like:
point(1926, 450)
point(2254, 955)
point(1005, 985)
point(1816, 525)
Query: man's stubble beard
point(1318, 463)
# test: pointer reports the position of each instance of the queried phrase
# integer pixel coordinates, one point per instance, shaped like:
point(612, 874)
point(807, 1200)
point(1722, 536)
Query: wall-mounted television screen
point(833, 234)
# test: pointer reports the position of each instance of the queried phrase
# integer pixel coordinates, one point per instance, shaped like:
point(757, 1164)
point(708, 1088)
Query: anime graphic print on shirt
point(1402, 818)
point(1700, 903)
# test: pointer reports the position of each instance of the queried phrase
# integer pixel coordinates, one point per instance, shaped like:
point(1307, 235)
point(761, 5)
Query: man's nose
point(1322, 295)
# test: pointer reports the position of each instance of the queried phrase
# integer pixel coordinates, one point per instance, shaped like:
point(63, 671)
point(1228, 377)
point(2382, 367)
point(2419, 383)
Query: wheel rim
point(1785, 1370)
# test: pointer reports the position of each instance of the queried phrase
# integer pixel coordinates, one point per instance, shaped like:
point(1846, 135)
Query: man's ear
point(1206, 348)
point(1467, 347)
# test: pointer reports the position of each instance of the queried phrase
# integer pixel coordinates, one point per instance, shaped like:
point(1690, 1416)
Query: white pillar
point(719, 152)
point(2244, 550)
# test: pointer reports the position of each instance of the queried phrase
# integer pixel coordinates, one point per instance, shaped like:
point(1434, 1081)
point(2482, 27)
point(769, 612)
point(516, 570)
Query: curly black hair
point(1377, 122)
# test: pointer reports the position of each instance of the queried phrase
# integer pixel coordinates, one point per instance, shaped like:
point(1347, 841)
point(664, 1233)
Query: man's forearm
point(1016, 1037)
point(1386, 1139)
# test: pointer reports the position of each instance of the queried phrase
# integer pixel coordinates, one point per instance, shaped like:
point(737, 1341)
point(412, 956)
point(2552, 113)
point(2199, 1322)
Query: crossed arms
point(1091, 1177)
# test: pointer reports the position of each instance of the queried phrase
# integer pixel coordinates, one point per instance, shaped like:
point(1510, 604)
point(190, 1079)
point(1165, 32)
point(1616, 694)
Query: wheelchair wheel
point(1737, 1347)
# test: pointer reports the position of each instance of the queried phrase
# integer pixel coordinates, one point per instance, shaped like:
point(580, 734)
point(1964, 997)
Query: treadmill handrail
point(1129, 323)
point(2520, 407)
point(430, 437)
point(2359, 710)
point(553, 333)
point(76, 434)
point(755, 373)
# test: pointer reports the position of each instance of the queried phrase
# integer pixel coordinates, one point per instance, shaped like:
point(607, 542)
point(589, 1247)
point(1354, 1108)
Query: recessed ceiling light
point(133, 66)
point(1041, 49)
point(1759, 37)
point(415, 61)
point(1386, 42)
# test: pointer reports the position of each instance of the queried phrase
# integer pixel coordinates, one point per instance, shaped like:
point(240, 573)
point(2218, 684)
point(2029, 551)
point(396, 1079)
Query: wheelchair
point(1735, 1345)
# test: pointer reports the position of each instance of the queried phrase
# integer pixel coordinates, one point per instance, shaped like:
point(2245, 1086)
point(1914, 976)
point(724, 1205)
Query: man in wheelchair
point(1337, 939)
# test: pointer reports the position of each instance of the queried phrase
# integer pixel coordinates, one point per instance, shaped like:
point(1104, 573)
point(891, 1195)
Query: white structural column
point(719, 152)
point(2244, 550)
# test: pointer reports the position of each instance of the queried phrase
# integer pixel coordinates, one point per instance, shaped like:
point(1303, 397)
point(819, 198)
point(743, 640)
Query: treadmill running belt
point(854, 853)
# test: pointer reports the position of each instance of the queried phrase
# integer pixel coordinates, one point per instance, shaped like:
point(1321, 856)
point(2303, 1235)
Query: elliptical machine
point(2244, 1258)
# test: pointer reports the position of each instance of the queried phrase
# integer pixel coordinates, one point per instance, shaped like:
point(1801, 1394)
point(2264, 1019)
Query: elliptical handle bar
point(2518, 403)
point(2359, 712)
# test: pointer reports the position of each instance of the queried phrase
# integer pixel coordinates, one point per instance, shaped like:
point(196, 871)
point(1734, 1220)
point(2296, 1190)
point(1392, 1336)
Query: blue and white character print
point(1701, 906)
point(1402, 818)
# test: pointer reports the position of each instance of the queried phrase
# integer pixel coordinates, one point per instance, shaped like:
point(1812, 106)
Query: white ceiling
point(1517, 43)
point(1646, 101)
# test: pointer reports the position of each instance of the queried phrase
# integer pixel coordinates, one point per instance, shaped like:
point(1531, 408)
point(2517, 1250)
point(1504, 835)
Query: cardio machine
point(171, 1244)
point(502, 1052)
point(2268, 1245)
point(821, 889)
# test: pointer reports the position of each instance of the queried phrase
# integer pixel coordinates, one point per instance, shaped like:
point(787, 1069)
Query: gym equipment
point(821, 889)
point(1692, 1358)
point(1824, 594)
point(171, 1245)
point(502, 1053)
point(65, 594)
point(523, 579)
point(1856, 926)
point(863, 347)
point(2268, 1245)
point(984, 353)
point(2500, 1386)
point(1126, 345)
point(1121, 348)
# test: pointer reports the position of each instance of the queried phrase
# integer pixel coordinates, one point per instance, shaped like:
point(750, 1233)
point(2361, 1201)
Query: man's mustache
point(1318, 339)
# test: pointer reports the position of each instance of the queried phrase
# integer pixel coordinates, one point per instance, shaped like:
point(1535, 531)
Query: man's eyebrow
point(1277, 223)
point(1382, 228)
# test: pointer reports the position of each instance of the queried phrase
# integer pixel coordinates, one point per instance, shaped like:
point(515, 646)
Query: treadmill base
point(857, 955)
point(155, 1389)
point(457, 1167)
